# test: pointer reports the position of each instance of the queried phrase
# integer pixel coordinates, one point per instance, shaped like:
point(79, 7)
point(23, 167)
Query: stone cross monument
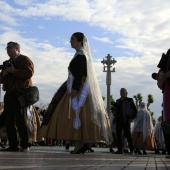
point(107, 65)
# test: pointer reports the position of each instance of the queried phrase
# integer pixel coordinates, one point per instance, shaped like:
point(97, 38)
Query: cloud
point(138, 28)
point(104, 39)
point(138, 23)
point(51, 69)
point(25, 3)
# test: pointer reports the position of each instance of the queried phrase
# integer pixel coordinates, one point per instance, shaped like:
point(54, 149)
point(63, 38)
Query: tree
point(112, 100)
point(138, 99)
point(150, 100)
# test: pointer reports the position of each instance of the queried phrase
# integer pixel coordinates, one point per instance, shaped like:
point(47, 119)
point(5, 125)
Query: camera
point(5, 64)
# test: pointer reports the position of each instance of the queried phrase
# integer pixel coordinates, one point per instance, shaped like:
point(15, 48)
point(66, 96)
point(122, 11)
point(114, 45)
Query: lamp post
point(107, 65)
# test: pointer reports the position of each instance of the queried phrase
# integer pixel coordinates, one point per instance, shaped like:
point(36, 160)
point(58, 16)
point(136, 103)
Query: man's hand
point(8, 70)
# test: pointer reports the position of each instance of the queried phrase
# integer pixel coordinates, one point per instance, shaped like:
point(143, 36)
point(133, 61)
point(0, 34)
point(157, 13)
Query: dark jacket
point(124, 114)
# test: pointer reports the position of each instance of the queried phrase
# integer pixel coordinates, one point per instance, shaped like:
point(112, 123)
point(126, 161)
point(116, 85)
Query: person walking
point(143, 131)
point(17, 73)
point(77, 112)
point(125, 113)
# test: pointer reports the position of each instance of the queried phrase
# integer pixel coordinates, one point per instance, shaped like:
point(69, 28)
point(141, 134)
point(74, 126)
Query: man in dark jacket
point(125, 112)
point(15, 74)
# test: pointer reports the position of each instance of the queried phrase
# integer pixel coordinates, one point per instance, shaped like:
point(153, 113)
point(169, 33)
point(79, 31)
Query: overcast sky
point(134, 32)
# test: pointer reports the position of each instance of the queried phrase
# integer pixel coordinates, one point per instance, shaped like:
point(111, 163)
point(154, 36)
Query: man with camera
point(16, 73)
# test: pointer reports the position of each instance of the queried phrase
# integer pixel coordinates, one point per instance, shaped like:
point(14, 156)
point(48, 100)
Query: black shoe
point(144, 152)
point(118, 152)
point(111, 150)
point(137, 151)
point(81, 151)
point(67, 146)
point(41, 143)
point(157, 151)
point(10, 149)
point(164, 152)
point(88, 149)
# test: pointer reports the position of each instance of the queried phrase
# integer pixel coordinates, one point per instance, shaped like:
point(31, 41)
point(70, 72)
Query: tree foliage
point(150, 100)
point(138, 99)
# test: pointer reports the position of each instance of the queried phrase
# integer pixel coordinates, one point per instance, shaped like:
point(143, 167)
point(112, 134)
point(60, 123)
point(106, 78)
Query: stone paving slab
point(57, 158)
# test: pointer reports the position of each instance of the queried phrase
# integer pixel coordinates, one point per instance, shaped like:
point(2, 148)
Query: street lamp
point(107, 65)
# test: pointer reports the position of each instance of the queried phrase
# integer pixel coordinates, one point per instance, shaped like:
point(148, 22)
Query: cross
point(107, 65)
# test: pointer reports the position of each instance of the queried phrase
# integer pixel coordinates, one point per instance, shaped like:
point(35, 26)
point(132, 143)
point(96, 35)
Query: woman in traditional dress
point(142, 132)
point(77, 112)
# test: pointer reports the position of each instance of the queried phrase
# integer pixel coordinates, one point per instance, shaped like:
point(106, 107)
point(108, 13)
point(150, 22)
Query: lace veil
point(98, 112)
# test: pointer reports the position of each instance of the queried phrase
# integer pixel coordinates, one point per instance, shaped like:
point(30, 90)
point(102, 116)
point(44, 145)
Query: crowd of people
point(76, 114)
point(133, 129)
point(143, 134)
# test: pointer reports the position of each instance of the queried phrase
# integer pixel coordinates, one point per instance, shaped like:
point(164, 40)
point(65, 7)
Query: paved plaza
point(57, 158)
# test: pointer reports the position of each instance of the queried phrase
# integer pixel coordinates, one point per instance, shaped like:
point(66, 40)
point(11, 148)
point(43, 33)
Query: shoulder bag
point(27, 96)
